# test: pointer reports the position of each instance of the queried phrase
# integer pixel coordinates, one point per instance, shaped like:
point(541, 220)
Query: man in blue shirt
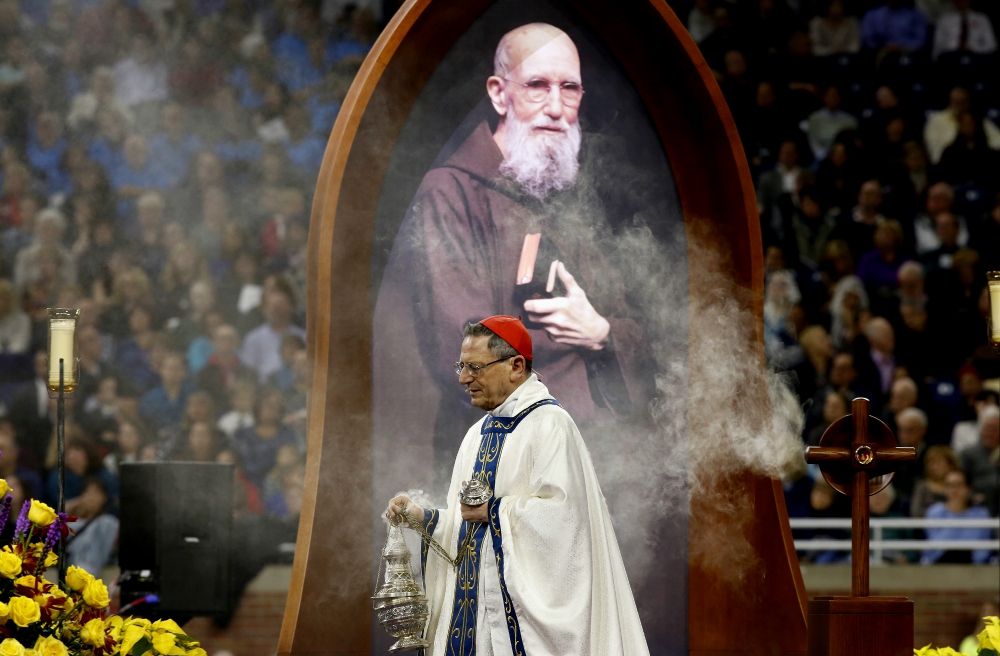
point(894, 28)
point(956, 506)
point(163, 406)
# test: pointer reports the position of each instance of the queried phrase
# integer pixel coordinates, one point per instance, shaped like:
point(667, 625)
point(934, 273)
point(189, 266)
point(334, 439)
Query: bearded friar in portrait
point(509, 223)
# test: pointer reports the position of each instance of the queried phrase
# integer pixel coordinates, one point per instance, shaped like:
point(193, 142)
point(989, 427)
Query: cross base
point(860, 626)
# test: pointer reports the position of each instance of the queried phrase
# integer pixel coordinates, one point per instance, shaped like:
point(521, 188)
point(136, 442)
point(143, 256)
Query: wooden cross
point(856, 453)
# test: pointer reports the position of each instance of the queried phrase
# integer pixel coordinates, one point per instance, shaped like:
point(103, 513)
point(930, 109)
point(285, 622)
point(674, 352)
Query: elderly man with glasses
point(513, 222)
point(539, 568)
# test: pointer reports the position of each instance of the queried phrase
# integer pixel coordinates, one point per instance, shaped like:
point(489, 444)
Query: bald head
point(881, 335)
point(521, 43)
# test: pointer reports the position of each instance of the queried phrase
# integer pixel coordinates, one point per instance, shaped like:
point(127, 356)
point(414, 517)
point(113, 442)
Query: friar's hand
point(395, 510)
point(475, 513)
point(570, 319)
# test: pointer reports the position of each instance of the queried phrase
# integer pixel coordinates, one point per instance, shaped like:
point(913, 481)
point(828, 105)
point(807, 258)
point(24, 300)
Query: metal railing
point(877, 525)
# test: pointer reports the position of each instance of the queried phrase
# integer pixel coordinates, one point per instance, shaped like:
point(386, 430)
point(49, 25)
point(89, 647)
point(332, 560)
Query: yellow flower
point(28, 581)
point(167, 625)
point(51, 559)
point(41, 514)
point(990, 637)
point(11, 647)
point(77, 578)
point(24, 611)
point(92, 633)
point(137, 621)
point(50, 647)
point(10, 565)
point(133, 634)
point(948, 651)
point(197, 651)
point(4, 488)
point(164, 642)
point(96, 594)
point(925, 651)
point(4, 611)
point(113, 625)
point(30, 652)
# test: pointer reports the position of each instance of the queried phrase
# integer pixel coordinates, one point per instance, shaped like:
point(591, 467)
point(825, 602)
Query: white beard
point(541, 162)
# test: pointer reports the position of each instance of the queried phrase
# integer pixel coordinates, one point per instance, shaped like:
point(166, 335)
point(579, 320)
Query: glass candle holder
point(993, 279)
point(62, 346)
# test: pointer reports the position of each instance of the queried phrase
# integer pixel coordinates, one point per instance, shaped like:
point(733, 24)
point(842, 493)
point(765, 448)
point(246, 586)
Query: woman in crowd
point(957, 505)
point(939, 461)
point(258, 445)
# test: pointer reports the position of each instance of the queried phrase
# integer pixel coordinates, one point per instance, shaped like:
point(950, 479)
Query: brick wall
point(254, 630)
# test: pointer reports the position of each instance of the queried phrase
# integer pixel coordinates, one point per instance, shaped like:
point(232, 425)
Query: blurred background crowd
point(871, 130)
point(157, 165)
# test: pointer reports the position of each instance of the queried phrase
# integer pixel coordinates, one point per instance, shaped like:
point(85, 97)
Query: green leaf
point(142, 647)
point(988, 652)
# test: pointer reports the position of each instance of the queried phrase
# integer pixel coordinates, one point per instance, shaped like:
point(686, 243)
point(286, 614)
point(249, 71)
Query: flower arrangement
point(989, 642)
point(40, 618)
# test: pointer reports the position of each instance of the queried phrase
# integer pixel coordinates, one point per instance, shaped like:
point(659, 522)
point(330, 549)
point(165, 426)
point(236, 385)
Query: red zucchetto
point(512, 331)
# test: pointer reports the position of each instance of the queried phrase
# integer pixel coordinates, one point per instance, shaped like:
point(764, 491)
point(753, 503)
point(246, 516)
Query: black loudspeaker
point(174, 540)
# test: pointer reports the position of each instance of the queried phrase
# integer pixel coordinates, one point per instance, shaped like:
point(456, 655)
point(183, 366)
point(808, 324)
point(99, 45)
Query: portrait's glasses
point(537, 91)
point(476, 369)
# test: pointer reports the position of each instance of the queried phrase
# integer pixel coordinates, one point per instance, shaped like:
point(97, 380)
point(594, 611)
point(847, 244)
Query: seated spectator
point(173, 149)
point(940, 198)
point(262, 346)
point(781, 296)
point(947, 229)
point(85, 107)
point(980, 462)
point(812, 226)
point(83, 461)
point(9, 462)
point(140, 79)
point(33, 415)
point(291, 208)
point(893, 27)
point(42, 289)
point(969, 159)
point(129, 443)
point(956, 506)
point(941, 127)
point(825, 502)
point(45, 154)
point(95, 533)
point(911, 426)
point(908, 181)
point(258, 445)
point(783, 179)
point(241, 402)
point(283, 378)
point(858, 228)
point(828, 122)
point(966, 433)
point(195, 77)
point(293, 398)
point(99, 411)
point(817, 347)
point(136, 355)
point(15, 326)
point(305, 148)
point(835, 405)
point(50, 226)
point(246, 496)
point(214, 219)
point(885, 504)
point(879, 268)
point(848, 307)
point(185, 266)
point(135, 176)
point(833, 32)
point(876, 360)
point(163, 406)
point(963, 30)
point(201, 444)
point(939, 461)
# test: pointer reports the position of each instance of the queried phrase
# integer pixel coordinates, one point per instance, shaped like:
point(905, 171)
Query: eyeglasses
point(476, 369)
point(537, 91)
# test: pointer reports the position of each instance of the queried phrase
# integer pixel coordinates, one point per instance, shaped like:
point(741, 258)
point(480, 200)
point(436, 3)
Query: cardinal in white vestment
point(540, 571)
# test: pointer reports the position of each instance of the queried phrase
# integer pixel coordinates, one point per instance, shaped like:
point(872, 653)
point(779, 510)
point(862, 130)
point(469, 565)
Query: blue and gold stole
point(462, 631)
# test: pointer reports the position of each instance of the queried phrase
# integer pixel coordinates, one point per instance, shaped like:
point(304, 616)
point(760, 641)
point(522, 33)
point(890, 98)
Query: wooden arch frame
point(328, 609)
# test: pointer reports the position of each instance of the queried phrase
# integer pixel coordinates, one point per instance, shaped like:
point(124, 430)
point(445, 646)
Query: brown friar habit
point(454, 260)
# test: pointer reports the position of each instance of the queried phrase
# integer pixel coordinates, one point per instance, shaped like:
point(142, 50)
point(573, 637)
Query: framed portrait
point(437, 207)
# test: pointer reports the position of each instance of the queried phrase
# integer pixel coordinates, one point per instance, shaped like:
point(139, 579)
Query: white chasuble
point(544, 577)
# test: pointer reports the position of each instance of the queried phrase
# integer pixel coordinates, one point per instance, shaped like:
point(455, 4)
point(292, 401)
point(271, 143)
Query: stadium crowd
point(157, 161)
point(871, 129)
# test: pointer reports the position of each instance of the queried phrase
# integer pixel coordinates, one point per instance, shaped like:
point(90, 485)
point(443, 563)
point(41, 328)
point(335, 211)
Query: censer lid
point(475, 493)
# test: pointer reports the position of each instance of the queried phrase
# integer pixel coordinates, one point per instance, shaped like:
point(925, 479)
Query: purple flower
point(5, 510)
point(51, 537)
point(23, 523)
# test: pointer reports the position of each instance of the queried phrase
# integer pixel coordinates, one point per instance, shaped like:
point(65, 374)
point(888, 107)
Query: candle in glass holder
point(62, 331)
point(993, 278)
